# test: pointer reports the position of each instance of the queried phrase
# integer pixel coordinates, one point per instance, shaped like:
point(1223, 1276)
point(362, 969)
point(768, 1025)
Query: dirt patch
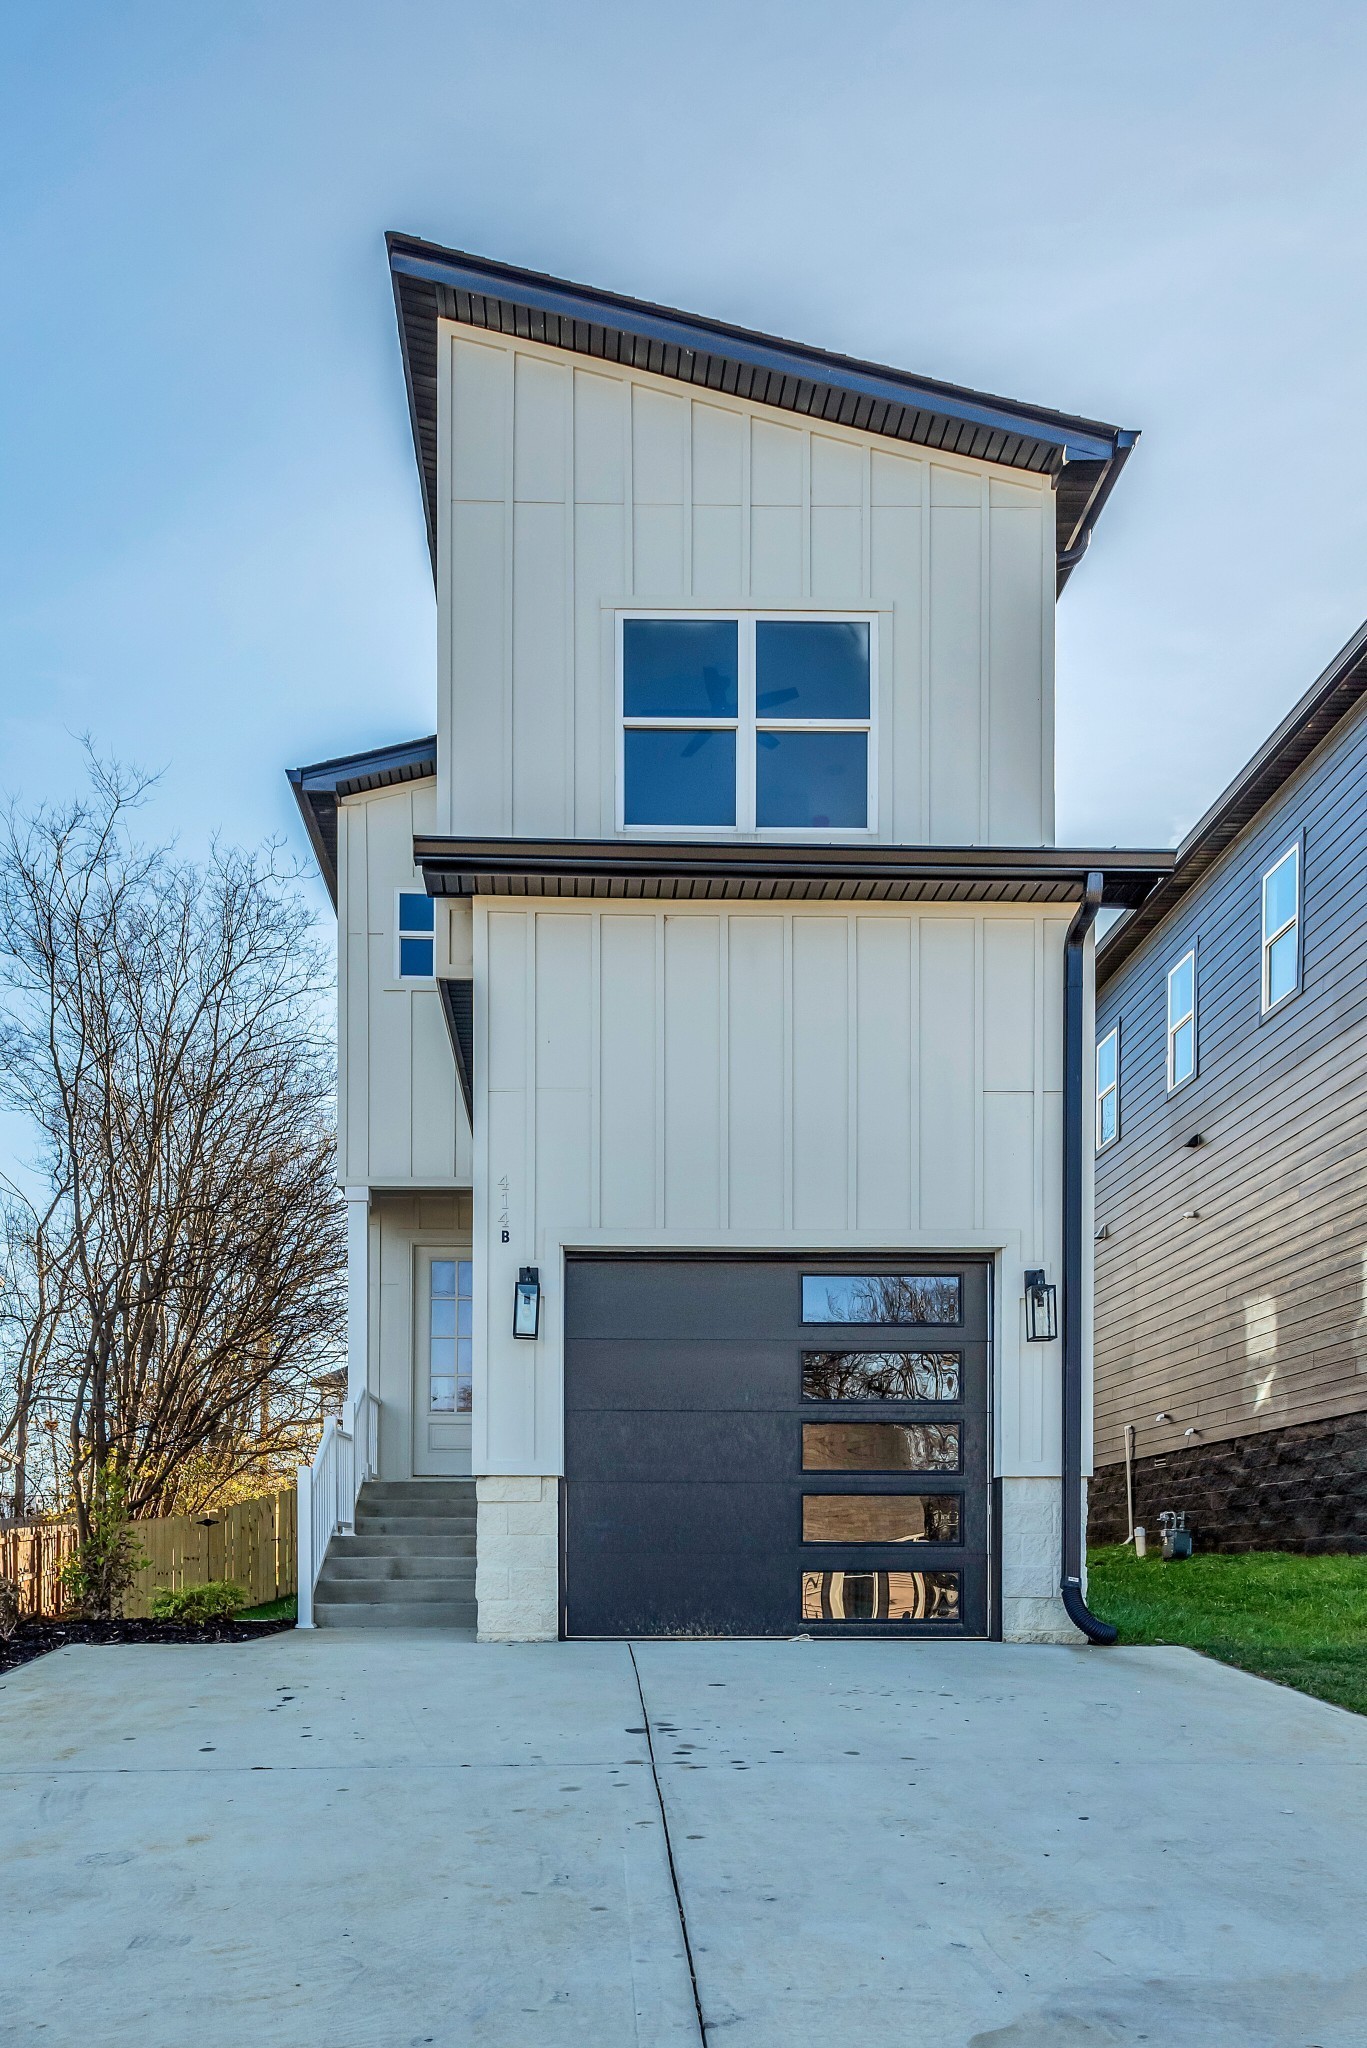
point(36, 1638)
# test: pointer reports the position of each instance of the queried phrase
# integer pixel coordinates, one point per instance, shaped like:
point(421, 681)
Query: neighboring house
point(1231, 1176)
point(702, 988)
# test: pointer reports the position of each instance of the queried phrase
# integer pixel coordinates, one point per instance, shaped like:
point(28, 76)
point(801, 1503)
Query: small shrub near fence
point(252, 1544)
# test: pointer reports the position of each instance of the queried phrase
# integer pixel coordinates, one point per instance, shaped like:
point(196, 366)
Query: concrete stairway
point(411, 1562)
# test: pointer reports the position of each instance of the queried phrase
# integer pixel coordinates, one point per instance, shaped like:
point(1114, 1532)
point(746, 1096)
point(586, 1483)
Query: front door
point(441, 1363)
point(775, 1446)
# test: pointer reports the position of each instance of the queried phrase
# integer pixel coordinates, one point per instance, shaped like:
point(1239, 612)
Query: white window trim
point(745, 725)
point(1291, 852)
point(1175, 1024)
point(412, 980)
point(1105, 1144)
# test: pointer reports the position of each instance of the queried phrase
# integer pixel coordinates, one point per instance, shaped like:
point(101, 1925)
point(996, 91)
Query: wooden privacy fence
point(253, 1543)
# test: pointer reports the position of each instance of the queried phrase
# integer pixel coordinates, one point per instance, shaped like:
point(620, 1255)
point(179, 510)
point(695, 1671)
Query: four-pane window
point(747, 723)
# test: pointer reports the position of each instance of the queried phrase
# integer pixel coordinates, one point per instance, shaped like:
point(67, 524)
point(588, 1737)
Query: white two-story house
point(714, 1004)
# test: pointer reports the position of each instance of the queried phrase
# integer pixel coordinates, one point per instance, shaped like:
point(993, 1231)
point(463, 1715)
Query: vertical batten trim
point(569, 621)
point(916, 922)
point(595, 1076)
point(806, 559)
point(660, 1051)
point(747, 507)
point(724, 1070)
point(1048, 633)
point(985, 833)
point(923, 828)
point(446, 540)
point(979, 1069)
point(629, 485)
point(509, 578)
point(851, 1216)
point(789, 1103)
point(686, 504)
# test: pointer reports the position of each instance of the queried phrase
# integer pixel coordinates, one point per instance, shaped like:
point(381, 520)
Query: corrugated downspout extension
point(1074, 1064)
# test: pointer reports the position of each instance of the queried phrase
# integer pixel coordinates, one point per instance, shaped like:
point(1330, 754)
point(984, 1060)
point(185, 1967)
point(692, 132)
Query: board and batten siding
point(401, 1119)
point(570, 487)
point(1252, 1314)
point(761, 1078)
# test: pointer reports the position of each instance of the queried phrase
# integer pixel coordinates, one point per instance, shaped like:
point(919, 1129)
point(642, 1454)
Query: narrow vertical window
point(1182, 1021)
point(1282, 929)
point(417, 936)
point(1108, 1089)
point(449, 1363)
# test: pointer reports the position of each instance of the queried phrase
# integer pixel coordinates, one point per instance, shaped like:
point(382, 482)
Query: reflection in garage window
point(880, 1375)
point(880, 1446)
point(881, 1298)
point(880, 1596)
point(880, 1518)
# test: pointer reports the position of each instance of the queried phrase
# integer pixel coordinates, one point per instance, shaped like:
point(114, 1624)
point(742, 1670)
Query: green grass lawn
point(274, 1610)
point(1299, 1620)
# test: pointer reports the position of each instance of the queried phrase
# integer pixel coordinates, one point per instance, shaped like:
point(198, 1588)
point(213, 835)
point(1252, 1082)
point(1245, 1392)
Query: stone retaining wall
point(1303, 1488)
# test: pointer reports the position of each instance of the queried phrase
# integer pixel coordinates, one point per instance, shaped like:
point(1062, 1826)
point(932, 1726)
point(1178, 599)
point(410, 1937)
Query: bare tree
point(162, 1032)
point(34, 1277)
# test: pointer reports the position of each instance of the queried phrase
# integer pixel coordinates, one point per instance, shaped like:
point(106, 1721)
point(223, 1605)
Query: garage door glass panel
point(880, 1518)
point(880, 1446)
point(881, 1298)
point(880, 1375)
point(880, 1596)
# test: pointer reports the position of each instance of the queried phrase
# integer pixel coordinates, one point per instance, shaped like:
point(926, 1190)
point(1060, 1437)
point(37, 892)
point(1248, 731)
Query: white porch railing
point(329, 1488)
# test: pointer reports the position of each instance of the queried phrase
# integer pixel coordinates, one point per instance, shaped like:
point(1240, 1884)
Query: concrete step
point(413, 1525)
point(370, 1543)
point(401, 1592)
point(429, 1496)
point(347, 1565)
point(394, 1614)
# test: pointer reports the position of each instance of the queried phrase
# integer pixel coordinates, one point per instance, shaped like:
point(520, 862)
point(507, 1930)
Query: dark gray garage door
point(766, 1446)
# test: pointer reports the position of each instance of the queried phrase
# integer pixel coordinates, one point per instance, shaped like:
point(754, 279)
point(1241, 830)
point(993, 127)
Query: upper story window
point(1108, 1089)
point(1182, 1021)
point(1282, 929)
point(416, 924)
point(747, 723)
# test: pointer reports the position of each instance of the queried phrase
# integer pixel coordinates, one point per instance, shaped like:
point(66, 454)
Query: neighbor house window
point(450, 1340)
point(747, 723)
point(1282, 929)
point(417, 936)
point(1182, 1021)
point(1108, 1089)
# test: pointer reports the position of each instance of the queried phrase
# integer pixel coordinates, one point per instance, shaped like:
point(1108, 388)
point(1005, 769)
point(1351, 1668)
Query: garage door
point(767, 1446)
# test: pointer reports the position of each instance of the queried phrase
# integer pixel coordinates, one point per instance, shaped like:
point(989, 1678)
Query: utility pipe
point(1074, 948)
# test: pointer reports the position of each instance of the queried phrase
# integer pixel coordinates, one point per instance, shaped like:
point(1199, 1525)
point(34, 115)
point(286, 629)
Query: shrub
point(9, 1609)
point(220, 1600)
point(96, 1578)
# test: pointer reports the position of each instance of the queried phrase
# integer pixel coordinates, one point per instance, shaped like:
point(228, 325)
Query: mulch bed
point(35, 1638)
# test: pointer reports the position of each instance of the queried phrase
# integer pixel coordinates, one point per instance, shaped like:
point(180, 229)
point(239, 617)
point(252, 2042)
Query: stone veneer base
point(517, 1559)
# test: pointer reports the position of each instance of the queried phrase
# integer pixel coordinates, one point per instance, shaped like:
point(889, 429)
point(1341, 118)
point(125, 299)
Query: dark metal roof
point(1330, 698)
point(432, 283)
point(696, 870)
point(318, 791)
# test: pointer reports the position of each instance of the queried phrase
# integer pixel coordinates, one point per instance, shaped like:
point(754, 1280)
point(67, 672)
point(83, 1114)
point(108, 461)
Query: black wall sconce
point(527, 1304)
point(1041, 1309)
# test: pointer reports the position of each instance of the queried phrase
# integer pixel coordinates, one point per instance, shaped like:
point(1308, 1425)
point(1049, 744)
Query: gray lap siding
point(1253, 1316)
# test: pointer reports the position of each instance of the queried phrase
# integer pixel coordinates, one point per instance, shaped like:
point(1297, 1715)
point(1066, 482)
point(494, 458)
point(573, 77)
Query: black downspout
point(1074, 947)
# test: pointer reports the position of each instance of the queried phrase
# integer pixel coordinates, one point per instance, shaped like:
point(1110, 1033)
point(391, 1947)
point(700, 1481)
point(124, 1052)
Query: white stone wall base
point(1032, 1563)
point(517, 1560)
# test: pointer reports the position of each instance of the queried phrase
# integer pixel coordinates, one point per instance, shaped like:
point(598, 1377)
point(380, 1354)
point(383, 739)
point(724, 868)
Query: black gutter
point(1074, 1075)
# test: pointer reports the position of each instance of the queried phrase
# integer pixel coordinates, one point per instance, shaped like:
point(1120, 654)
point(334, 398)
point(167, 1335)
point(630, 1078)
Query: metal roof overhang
point(320, 788)
point(432, 283)
point(1333, 694)
point(694, 871)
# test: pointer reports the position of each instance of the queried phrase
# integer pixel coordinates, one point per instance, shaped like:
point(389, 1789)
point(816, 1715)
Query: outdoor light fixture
point(1041, 1309)
point(527, 1303)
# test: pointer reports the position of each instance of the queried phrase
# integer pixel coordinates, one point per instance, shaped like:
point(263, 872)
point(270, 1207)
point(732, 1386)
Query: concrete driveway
point(349, 1839)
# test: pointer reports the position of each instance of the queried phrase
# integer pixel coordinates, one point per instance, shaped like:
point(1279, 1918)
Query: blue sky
point(211, 548)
